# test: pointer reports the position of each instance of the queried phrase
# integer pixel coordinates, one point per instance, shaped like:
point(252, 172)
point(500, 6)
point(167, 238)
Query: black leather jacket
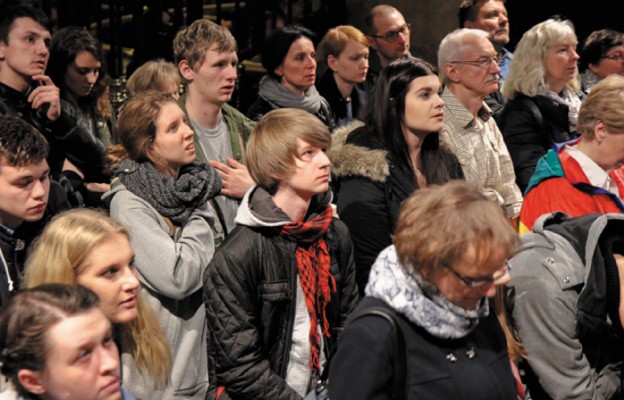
point(66, 138)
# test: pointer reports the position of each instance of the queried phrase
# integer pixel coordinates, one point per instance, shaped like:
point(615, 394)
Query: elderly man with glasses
point(469, 67)
point(490, 16)
point(389, 40)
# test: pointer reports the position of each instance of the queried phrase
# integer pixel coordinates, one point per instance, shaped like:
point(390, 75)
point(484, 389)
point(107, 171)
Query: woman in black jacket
point(289, 58)
point(542, 87)
point(379, 165)
point(450, 253)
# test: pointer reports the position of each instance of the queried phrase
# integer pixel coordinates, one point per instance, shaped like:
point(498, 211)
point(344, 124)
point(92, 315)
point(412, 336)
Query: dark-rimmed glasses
point(484, 62)
point(476, 282)
point(615, 57)
point(391, 36)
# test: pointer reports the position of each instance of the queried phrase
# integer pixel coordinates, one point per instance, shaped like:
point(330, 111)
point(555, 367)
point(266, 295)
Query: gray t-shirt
point(216, 146)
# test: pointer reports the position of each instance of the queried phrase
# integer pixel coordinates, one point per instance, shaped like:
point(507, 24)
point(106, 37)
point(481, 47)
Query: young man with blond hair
point(206, 57)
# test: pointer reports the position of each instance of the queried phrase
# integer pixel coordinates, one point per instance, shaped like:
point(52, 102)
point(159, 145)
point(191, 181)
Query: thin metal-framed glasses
point(391, 36)
point(476, 282)
point(484, 62)
point(615, 57)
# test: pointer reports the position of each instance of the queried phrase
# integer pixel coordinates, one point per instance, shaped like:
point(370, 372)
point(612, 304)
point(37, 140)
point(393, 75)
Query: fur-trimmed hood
point(360, 156)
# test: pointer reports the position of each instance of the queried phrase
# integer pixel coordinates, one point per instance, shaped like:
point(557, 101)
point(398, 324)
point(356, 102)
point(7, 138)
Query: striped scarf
point(313, 263)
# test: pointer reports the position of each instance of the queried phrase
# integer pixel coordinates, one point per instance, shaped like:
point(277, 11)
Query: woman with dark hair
point(379, 164)
point(289, 58)
point(161, 193)
point(58, 344)
point(75, 67)
point(601, 56)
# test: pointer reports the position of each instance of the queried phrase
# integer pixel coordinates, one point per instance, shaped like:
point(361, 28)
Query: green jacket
point(239, 127)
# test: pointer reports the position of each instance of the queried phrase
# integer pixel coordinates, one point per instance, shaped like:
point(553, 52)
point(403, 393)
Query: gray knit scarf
point(280, 97)
point(173, 198)
point(419, 301)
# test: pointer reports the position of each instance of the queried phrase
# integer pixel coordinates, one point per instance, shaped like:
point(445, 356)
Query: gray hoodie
point(171, 276)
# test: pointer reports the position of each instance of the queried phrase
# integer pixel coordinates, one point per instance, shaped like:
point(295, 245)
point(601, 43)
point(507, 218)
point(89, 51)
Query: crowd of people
point(372, 227)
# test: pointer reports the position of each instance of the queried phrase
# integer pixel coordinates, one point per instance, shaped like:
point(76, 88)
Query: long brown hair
point(136, 127)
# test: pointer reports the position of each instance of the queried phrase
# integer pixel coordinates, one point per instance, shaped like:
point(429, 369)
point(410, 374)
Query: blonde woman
point(159, 75)
point(344, 50)
point(86, 247)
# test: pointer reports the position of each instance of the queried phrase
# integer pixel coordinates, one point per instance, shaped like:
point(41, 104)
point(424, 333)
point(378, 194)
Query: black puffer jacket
point(250, 294)
point(530, 127)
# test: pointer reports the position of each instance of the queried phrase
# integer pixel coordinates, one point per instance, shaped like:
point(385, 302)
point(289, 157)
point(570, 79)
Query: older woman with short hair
point(585, 176)
point(542, 87)
point(450, 253)
point(289, 57)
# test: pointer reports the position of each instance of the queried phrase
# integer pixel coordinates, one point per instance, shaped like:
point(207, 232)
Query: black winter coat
point(250, 294)
point(474, 367)
point(527, 138)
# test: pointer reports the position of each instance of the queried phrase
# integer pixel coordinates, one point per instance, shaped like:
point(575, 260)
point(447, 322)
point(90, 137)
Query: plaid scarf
point(313, 263)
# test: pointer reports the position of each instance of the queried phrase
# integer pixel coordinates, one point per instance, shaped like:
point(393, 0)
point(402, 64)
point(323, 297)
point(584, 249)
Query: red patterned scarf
point(313, 263)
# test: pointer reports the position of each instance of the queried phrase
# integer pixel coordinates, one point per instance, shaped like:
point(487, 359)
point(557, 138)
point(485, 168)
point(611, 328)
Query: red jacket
point(559, 184)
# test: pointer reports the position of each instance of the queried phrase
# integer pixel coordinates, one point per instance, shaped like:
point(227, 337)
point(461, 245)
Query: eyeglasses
point(391, 36)
point(616, 56)
point(477, 282)
point(482, 62)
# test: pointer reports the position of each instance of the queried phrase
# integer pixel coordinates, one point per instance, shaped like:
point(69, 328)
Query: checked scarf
point(313, 263)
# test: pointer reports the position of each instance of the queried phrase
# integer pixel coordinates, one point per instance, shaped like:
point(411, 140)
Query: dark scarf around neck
point(176, 198)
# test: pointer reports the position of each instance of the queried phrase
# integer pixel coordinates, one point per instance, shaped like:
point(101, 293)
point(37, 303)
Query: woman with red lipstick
point(542, 87)
point(290, 60)
point(379, 164)
point(162, 194)
point(57, 344)
point(86, 247)
point(279, 289)
point(75, 66)
point(345, 51)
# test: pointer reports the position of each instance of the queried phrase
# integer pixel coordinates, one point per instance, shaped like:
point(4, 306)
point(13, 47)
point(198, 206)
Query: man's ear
point(332, 62)
point(451, 72)
point(31, 380)
point(468, 24)
point(372, 43)
point(593, 67)
point(2, 50)
point(186, 71)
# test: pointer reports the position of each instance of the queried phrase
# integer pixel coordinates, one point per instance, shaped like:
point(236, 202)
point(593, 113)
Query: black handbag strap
point(399, 386)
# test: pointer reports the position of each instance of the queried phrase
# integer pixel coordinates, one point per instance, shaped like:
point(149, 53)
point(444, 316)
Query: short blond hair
point(336, 39)
point(153, 75)
point(605, 102)
point(192, 43)
point(439, 225)
point(272, 146)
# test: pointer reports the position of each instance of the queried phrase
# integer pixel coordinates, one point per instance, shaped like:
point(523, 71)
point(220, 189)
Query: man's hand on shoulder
point(235, 177)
